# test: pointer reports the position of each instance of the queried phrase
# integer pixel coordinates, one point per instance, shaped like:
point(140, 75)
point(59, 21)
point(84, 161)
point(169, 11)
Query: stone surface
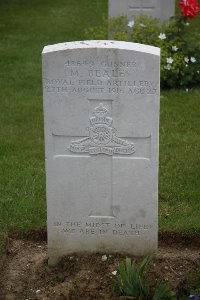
point(161, 9)
point(101, 108)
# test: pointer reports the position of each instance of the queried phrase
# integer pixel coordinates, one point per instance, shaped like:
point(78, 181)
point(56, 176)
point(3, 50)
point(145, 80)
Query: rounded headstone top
point(102, 44)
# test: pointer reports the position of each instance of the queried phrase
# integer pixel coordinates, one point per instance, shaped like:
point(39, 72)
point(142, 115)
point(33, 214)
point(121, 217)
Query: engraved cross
point(101, 147)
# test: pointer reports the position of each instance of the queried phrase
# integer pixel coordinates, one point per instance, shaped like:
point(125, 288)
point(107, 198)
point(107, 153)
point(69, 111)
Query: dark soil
point(25, 273)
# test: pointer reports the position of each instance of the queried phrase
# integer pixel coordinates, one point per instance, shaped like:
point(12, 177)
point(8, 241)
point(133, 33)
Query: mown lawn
point(25, 28)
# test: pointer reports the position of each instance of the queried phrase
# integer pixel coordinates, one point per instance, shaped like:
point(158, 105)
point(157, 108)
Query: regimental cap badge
point(102, 137)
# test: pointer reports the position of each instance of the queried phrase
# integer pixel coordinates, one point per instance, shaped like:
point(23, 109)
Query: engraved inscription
point(57, 85)
point(103, 63)
point(101, 76)
point(143, 6)
point(134, 8)
point(102, 137)
point(102, 228)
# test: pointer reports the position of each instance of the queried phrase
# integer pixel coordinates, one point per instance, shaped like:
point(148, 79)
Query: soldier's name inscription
point(101, 76)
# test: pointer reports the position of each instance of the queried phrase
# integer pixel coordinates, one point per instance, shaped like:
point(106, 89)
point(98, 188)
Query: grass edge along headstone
point(101, 119)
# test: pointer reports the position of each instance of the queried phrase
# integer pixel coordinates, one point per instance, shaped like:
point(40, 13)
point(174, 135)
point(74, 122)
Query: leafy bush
point(180, 48)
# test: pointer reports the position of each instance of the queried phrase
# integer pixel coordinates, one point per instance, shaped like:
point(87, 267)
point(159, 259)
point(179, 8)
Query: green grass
point(25, 28)
point(179, 191)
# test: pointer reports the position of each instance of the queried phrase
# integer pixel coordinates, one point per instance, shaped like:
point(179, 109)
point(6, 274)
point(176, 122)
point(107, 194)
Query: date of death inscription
point(100, 78)
point(101, 228)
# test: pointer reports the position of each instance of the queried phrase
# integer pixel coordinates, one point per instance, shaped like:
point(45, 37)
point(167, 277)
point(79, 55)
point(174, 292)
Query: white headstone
point(101, 107)
point(161, 9)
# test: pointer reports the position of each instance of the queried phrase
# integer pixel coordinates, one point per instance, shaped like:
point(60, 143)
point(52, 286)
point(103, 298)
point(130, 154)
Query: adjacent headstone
point(101, 107)
point(161, 9)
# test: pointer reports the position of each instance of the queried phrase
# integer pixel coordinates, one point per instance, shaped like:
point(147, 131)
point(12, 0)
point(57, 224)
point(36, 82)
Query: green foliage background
point(177, 32)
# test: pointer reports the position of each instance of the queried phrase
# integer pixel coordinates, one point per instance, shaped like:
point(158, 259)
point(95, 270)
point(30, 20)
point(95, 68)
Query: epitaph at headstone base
point(101, 108)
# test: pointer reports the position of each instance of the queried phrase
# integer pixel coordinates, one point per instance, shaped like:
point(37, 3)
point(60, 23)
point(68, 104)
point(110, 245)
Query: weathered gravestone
point(101, 106)
point(161, 9)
